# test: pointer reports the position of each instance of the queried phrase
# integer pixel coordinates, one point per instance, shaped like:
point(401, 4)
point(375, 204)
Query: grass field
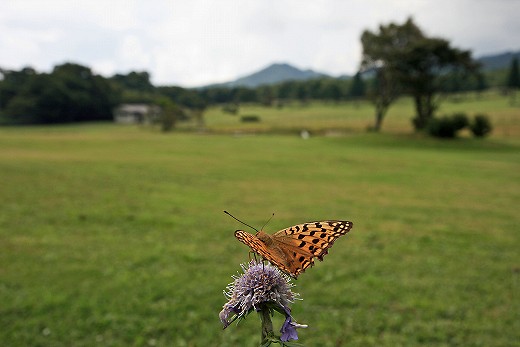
point(352, 117)
point(115, 236)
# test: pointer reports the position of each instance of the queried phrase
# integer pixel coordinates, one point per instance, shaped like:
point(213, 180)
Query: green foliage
point(459, 120)
point(447, 126)
point(136, 81)
point(11, 82)
point(71, 93)
point(419, 64)
point(481, 125)
point(266, 95)
point(183, 97)
point(443, 127)
point(170, 113)
point(357, 88)
point(129, 96)
point(513, 79)
point(243, 94)
point(250, 118)
point(382, 93)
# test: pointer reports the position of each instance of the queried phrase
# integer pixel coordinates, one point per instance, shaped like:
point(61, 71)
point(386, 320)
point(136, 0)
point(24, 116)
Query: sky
point(198, 42)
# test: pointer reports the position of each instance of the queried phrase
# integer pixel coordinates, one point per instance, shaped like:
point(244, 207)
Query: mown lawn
point(115, 236)
point(353, 117)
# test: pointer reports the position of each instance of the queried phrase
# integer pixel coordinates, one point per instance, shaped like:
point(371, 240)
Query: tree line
point(397, 60)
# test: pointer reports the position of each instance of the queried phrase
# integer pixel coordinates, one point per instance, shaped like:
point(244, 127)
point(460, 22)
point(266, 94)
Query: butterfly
point(293, 249)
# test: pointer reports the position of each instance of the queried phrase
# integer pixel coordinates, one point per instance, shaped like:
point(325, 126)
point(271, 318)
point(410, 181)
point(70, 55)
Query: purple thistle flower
point(260, 286)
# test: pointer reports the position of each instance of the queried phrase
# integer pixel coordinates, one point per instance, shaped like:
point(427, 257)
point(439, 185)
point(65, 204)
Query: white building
point(137, 114)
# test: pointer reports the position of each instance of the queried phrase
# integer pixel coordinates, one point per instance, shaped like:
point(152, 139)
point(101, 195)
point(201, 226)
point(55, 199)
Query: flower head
point(260, 283)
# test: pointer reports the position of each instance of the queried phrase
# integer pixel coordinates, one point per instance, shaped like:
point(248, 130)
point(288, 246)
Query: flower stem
point(267, 324)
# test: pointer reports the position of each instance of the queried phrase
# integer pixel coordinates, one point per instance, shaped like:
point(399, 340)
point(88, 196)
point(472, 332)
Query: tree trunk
point(380, 114)
point(425, 108)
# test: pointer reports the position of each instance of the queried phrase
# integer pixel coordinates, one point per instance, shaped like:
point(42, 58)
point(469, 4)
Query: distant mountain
point(272, 74)
point(277, 73)
point(498, 61)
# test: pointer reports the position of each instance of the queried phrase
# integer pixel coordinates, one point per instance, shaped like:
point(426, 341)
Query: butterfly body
point(293, 249)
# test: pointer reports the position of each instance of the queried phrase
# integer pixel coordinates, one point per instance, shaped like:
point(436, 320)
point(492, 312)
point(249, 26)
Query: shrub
point(459, 120)
point(250, 118)
point(441, 127)
point(481, 126)
point(447, 126)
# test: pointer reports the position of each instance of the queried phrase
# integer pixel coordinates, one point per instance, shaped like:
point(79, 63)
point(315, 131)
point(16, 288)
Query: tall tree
point(357, 88)
point(418, 63)
point(331, 90)
point(71, 93)
point(382, 93)
point(139, 81)
point(11, 83)
point(422, 70)
point(381, 51)
point(513, 79)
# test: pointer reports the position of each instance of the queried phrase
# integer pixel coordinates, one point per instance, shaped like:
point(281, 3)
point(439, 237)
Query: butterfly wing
point(273, 255)
point(293, 249)
point(303, 242)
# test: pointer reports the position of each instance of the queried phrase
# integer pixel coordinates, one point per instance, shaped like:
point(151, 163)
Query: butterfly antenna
point(235, 218)
point(268, 221)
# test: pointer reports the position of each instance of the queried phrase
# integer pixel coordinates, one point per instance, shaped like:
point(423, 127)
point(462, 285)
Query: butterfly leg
point(252, 257)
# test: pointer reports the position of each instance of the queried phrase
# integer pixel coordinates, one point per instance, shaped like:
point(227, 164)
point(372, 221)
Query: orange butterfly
point(293, 249)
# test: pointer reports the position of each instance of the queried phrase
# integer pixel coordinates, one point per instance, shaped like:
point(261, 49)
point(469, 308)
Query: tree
point(381, 51)
point(513, 79)
point(71, 93)
point(11, 83)
point(481, 84)
point(244, 94)
point(383, 92)
point(357, 88)
point(417, 63)
point(139, 81)
point(331, 90)
point(170, 113)
point(285, 90)
point(191, 102)
point(88, 96)
point(302, 93)
point(266, 95)
point(422, 70)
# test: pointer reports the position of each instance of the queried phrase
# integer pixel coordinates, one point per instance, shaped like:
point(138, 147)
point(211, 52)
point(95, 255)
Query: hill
point(498, 61)
point(272, 74)
point(281, 72)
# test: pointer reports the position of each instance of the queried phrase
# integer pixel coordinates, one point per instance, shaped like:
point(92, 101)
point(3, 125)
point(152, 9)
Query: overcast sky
point(197, 42)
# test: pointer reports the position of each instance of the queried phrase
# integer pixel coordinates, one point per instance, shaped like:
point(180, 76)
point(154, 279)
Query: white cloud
point(194, 42)
point(131, 52)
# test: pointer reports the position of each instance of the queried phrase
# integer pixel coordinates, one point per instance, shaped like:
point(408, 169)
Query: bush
point(251, 118)
point(481, 126)
point(447, 126)
point(460, 120)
